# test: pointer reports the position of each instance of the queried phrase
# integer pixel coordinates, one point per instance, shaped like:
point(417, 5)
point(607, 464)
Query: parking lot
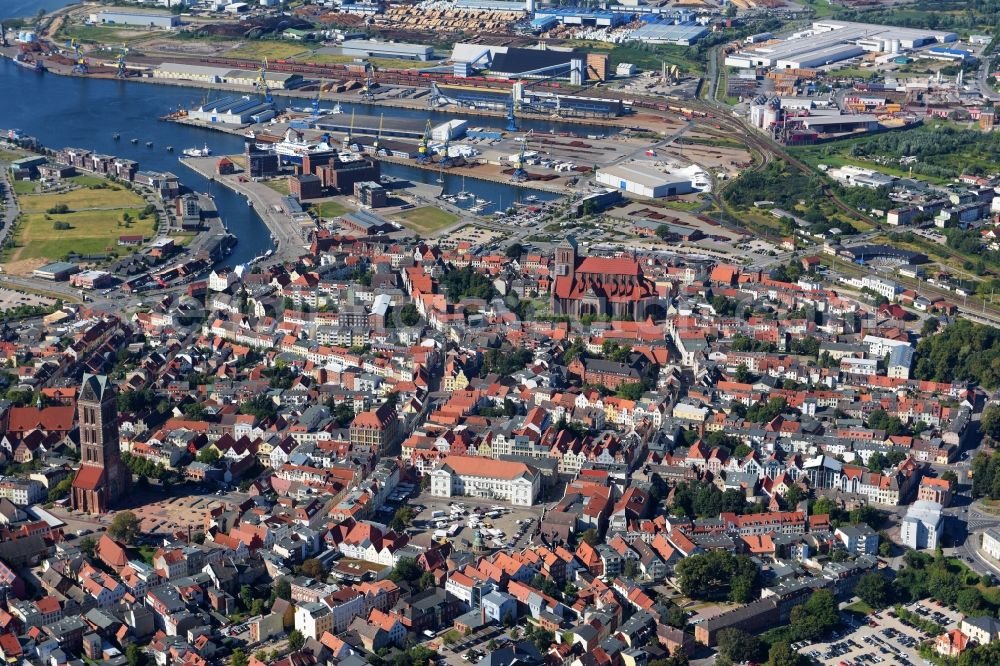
point(456, 519)
point(10, 299)
point(471, 648)
point(884, 640)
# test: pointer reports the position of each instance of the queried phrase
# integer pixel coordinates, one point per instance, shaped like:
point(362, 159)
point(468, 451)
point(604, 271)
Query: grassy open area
point(854, 72)
point(101, 34)
point(821, 8)
point(859, 607)
point(90, 232)
point(272, 50)
point(381, 63)
point(681, 205)
point(8, 156)
point(23, 186)
point(650, 56)
point(83, 199)
point(329, 209)
point(279, 185)
point(83, 180)
point(426, 219)
point(183, 238)
point(838, 155)
point(92, 224)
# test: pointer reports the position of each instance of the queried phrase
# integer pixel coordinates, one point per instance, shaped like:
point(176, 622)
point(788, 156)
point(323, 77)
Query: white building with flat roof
point(369, 48)
point(829, 41)
point(921, 526)
point(991, 543)
point(644, 181)
point(162, 20)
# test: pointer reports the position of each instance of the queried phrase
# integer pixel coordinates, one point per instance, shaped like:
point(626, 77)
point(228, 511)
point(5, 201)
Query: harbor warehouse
point(209, 74)
point(143, 19)
point(643, 181)
point(367, 48)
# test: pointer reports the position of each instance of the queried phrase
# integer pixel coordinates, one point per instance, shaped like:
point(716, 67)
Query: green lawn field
point(82, 199)
point(426, 219)
point(90, 232)
point(328, 209)
point(272, 50)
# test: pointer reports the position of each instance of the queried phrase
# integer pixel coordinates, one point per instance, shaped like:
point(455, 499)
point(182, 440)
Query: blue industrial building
point(584, 16)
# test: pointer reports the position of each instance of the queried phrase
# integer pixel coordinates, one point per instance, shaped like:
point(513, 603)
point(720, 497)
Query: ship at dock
point(295, 146)
point(197, 152)
point(28, 62)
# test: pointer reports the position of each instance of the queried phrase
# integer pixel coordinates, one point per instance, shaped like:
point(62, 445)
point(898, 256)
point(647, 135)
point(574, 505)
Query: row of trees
point(946, 580)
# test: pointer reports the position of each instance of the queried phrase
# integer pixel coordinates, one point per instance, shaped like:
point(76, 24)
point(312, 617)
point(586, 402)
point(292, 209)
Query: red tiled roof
point(88, 477)
point(24, 419)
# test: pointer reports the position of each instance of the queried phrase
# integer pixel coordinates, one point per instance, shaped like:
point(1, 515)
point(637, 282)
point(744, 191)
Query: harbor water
point(29, 8)
point(86, 113)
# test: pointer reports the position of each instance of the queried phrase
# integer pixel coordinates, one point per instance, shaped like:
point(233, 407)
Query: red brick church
point(613, 286)
point(103, 478)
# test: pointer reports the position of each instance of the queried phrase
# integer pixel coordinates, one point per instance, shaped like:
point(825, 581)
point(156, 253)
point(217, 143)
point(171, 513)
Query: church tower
point(102, 478)
point(565, 262)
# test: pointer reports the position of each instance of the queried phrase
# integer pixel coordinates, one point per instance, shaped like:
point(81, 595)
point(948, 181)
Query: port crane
point(520, 175)
point(80, 66)
point(122, 71)
point(423, 154)
point(261, 85)
point(350, 133)
point(378, 137)
point(446, 160)
point(577, 73)
point(367, 92)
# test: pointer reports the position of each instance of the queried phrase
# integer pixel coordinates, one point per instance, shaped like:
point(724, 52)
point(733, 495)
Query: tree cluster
point(466, 283)
point(705, 500)
point(808, 621)
point(986, 475)
point(961, 351)
point(505, 361)
point(946, 580)
point(143, 467)
point(719, 574)
point(764, 412)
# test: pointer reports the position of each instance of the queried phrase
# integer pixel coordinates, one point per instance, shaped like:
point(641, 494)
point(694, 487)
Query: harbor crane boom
point(261, 85)
point(122, 71)
point(520, 175)
point(423, 154)
point(378, 137)
point(80, 63)
point(367, 92)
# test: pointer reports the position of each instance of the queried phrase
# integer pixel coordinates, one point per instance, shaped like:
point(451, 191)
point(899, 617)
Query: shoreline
point(105, 72)
point(468, 172)
point(285, 231)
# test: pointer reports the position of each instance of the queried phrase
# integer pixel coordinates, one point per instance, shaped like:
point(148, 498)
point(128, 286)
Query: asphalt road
point(11, 210)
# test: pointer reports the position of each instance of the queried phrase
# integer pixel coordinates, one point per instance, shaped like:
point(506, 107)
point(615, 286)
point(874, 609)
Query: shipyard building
point(828, 41)
point(161, 20)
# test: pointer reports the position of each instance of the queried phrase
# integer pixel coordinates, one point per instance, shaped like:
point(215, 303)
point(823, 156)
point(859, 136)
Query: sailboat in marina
point(463, 195)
